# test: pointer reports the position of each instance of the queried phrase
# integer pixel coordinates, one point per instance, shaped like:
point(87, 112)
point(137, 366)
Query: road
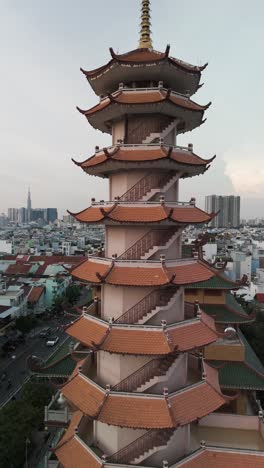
point(16, 368)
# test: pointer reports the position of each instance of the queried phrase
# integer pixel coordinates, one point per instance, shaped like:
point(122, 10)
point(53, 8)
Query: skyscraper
point(228, 207)
point(29, 207)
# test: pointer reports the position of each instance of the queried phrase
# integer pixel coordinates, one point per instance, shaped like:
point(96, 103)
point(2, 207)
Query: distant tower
point(29, 206)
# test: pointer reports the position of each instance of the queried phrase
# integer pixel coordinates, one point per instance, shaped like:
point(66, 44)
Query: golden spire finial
point(145, 33)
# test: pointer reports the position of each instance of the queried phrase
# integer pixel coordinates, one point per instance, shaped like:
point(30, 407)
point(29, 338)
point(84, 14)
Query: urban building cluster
point(29, 214)
point(228, 209)
point(165, 376)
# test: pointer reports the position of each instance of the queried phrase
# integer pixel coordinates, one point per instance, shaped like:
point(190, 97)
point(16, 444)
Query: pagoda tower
point(143, 384)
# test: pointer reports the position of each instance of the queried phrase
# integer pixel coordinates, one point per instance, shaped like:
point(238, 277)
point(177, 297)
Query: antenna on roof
point(145, 40)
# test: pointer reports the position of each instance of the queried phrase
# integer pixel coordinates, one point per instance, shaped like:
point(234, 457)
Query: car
point(52, 341)
point(45, 332)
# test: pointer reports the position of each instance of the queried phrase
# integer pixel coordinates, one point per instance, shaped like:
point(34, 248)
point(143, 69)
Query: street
point(16, 368)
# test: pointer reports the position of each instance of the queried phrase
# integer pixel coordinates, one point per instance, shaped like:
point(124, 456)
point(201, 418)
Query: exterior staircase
point(147, 245)
point(146, 376)
point(146, 184)
point(143, 447)
point(153, 137)
point(149, 195)
point(148, 316)
point(146, 307)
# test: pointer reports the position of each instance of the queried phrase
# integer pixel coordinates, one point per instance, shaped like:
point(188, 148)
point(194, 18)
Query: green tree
point(25, 324)
point(18, 420)
point(72, 293)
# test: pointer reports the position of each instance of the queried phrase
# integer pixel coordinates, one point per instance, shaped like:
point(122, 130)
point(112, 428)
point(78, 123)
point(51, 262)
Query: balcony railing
point(56, 415)
point(157, 298)
point(155, 237)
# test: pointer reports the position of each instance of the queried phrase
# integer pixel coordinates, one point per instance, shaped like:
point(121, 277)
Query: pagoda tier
point(146, 340)
point(149, 157)
point(143, 213)
point(145, 66)
point(73, 448)
point(142, 273)
point(138, 102)
point(143, 410)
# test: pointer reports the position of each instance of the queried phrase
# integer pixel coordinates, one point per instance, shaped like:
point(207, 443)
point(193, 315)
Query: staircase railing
point(145, 184)
point(144, 306)
point(153, 368)
point(149, 440)
point(156, 237)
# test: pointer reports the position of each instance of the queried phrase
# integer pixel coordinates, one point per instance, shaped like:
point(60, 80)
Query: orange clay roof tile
point(148, 411)
point(144, 97)
point(136, 412)
point(142, 341)
point(85, 395)
point(75, 421)
point(156, 275)
point(74, 454)
point(143, 214)
point(141, 155)
point(221, 458)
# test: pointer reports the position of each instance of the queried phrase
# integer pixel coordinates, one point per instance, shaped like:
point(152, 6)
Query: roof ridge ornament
point(145, 41)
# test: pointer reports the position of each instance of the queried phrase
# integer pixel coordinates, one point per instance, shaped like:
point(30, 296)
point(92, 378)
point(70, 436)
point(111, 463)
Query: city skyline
point(39, 145)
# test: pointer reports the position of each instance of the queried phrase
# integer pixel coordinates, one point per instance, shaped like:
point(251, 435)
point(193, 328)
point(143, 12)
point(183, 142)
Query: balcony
point(57, 413)
point(229, 430)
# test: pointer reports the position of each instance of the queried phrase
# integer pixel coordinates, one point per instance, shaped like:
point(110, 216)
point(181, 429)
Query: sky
point(43, 44)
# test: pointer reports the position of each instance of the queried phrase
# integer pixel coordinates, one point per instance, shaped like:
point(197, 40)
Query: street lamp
point(27, 443)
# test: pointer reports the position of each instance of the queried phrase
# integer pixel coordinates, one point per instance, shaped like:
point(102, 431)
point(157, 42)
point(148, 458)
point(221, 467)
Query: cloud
point(245, 168)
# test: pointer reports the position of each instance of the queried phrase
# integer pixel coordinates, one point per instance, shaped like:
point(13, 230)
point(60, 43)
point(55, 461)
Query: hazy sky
point(44, 43)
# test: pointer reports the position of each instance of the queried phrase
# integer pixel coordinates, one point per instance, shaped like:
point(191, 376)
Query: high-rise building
point(22, 215)
point(50, 215)
point(228, 207)
point(29, 206)
point(142, 393)
point(12, 214)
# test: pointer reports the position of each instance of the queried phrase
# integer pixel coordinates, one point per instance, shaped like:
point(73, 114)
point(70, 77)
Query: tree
point(72, 293)
point(18, 419)
point(25, 324)
point(57, 304)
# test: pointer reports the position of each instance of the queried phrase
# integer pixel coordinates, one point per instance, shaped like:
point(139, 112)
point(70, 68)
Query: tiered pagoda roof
point(143, 340)
point(147, 213)
point(108, 160)
point(148, 101)
point(145, 411)
point(145, 64)
point(140, 273)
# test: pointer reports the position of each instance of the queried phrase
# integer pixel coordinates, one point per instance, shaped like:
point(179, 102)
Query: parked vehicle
point(52, 341)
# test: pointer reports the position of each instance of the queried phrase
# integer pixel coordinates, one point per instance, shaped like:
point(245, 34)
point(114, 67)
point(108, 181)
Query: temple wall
point(112, 368)
point(177, 447)
point(121, 182)
point(175, 313)
point(192, 295)
point(112, 438)
point(116, 299)
point(118, 131)
point(225, 352)
point(119, 238)
point(176, 378)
